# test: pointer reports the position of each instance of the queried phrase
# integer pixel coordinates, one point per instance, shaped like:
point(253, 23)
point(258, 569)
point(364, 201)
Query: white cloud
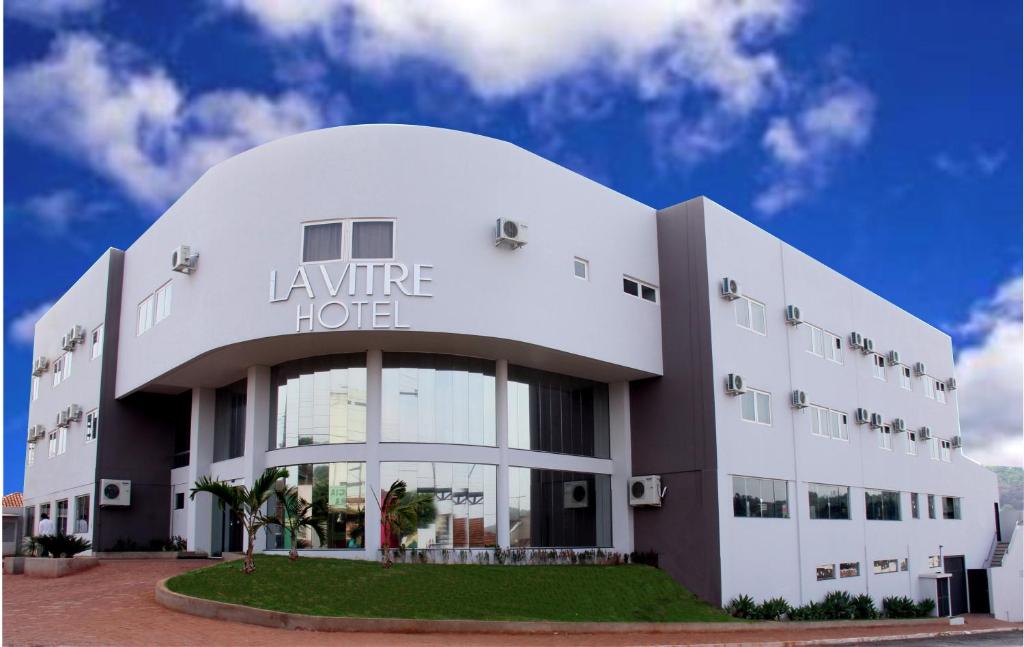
point(136, 126)
point(50, 12)
point(58, 210)
point(803, 148)
point(22, 328)
point(984, 163)
point(991, 379)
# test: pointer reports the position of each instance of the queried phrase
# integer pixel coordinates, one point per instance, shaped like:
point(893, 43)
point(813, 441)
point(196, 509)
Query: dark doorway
point(957, 584)
point(977, 590)
point(942, 604)
point(226, 532)
point(999, 526)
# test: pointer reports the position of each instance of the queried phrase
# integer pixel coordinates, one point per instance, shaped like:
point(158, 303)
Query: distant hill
point(1011, 485)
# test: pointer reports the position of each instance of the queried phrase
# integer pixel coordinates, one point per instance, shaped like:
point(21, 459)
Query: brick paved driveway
point(114, 604)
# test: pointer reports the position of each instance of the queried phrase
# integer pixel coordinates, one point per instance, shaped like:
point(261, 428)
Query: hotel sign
point(361, 294)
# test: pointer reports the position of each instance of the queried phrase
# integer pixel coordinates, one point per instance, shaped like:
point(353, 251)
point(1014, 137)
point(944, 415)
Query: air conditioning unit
point(76, 335)
point(31, 434)
point(899, 425)
point(951, 384)
point(183, 259)
point(74, 413)
point(792, 315)
point(730, 288)
point(876, 421)
point(734, 384)
point(510, 233)
point(894, 357)
point(645, 491)
point(958, 442)
point(798, 399)
point(862, 416)
point(67, 343)
point(867, 346)
point(62, 418)
point(575, 494)
point(40, 431)
point(856, 340)
point(114, 492)
point(920, 369)
point(924, 433)
point(40, 365)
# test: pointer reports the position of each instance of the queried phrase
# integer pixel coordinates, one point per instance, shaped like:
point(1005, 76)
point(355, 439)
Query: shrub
point(647, 557)
point(925, 607)
point(809, 611)
point(742, 607)
point(899, 606)
point(837, 605)
point(63, 545)
point(864, 607)
point(773, 609)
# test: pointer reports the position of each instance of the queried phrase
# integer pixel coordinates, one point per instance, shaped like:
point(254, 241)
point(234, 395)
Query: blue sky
point(882, 138)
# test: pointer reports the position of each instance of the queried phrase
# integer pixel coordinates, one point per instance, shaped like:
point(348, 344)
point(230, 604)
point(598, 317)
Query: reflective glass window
point(882, 505)
point(759, 497)
point(338, 494)
point(554, 508)
point(828, 501)
point(556, 413)
point(319, 400)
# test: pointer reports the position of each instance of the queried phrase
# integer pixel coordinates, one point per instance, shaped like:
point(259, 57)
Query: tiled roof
point(13, 500)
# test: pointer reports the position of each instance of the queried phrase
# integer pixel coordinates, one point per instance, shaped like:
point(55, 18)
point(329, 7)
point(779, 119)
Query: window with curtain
point(373, 239)
point(321, 242)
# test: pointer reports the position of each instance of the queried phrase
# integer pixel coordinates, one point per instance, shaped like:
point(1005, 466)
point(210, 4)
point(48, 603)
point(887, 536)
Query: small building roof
point(13, 500)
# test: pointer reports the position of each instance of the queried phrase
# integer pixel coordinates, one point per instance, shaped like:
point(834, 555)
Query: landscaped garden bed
point(362, 589)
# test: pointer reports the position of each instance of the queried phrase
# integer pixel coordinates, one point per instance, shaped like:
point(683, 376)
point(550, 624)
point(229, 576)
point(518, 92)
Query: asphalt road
point(1011, 639)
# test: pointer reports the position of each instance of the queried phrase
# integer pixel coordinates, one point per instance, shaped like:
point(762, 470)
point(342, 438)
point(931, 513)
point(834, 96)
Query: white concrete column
point(374, 372)
point(622, 466)
point(200, 454)
point(501, 429)
point(257, 429)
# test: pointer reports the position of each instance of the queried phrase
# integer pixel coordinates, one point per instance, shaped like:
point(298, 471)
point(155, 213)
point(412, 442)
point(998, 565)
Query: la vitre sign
point(366, 288)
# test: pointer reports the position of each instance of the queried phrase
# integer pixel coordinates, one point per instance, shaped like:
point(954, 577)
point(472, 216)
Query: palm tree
point(245, 503)
point(296, 516)
point(402, 511)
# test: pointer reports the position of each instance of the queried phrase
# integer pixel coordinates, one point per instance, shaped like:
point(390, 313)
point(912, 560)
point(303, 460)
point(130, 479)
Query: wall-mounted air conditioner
point(115, 492)
point(67, 343)
point(924, 433)
point(730, 288)
point(958, 442)
point(920, 369)
point(645, 491)
point(899, 425)
point(77, 335)
point(862, 416)
point(867, 346)
point(793, 315)
point(40, 431)
point(894, 357)
point(856, 340)
point(40, 365)
point(951, 384)
point(734, 384)
point(876, 421)
point(184, 259)
point(62, 418)
point(575, 494)
point(510, 233)
point(798, 399)
point(74, 413)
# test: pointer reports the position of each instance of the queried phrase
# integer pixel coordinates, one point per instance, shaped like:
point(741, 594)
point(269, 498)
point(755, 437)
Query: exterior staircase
point(998, 551)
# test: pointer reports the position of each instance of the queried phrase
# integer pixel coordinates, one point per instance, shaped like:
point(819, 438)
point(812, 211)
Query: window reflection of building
point(338, 494)
point(556, 413)
point(319, 401)
point(555, 508)
point(461, 512)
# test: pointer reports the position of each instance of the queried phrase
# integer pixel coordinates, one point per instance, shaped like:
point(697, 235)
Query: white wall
point(1006, 582)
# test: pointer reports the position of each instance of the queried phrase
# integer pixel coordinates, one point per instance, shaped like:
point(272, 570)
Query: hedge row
point(837, 605)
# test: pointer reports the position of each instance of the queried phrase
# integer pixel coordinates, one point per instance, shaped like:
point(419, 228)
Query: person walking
point(45, 528)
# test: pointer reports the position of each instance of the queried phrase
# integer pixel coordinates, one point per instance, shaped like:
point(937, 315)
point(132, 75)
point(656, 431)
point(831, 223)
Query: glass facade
point(338, 494)
point(229, 422)
point(554, 508)
point(757, 497)
point(556, 413)
point(321, 400)
point(828, 501)
point(452, 505)
point(437, 399)
point(882, 505)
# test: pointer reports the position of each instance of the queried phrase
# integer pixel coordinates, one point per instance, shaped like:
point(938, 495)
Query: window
point(30, 520)
point(145, 318)
point(833, 348)
point(62, 517)
point(940, 392)
point(97, 342)
point(816, 341)
point(750, 314)
point(321, 242)
point(31, 458)
point(756, 407)
point(556, 413)
point(904, 377)
point(338, 492)
point(946, 450)
point(826, 572)
point(824, 344)
point(373, 239)
point(885, 437)
point(66, 367)
point(92, 425)
point(229, 421)
point(51, 449)
point(931, 506)
point(933, 448)
point(886, 566)
point(933, 561)
point(904, 564)
point(179, 500)
point(757, 497)
point(882, 505)
point(911, 440)
point(82, 514)
point(319, 400)
point(62, 440)
point(849, 569)
point(558, 508)
point(828, 423)
point(828, 501)
point(915, 511)
point(58, 370)
point(581, 268)
point(163, 302)
point(950, 507)
point(878, 366)
point(640, 289)
point(35, 388)
point(929, 388)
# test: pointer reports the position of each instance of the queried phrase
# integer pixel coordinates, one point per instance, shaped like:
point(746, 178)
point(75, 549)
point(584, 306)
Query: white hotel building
point(345, 310)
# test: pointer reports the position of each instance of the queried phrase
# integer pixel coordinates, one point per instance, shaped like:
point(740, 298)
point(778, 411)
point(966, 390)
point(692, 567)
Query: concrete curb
point(50, 567)
point(283, 620)
point(861, 640)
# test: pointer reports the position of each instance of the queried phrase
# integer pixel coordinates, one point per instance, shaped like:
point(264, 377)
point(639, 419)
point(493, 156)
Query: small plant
point(809, 611)
point(742, 607)
point(773, 609)
point(837, 605)
point(864, 607)
point(63, 545)
point(31, 546)
point(899, 606)
point(925, 607)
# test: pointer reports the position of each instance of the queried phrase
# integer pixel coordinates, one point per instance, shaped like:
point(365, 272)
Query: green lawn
point(340, 587)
